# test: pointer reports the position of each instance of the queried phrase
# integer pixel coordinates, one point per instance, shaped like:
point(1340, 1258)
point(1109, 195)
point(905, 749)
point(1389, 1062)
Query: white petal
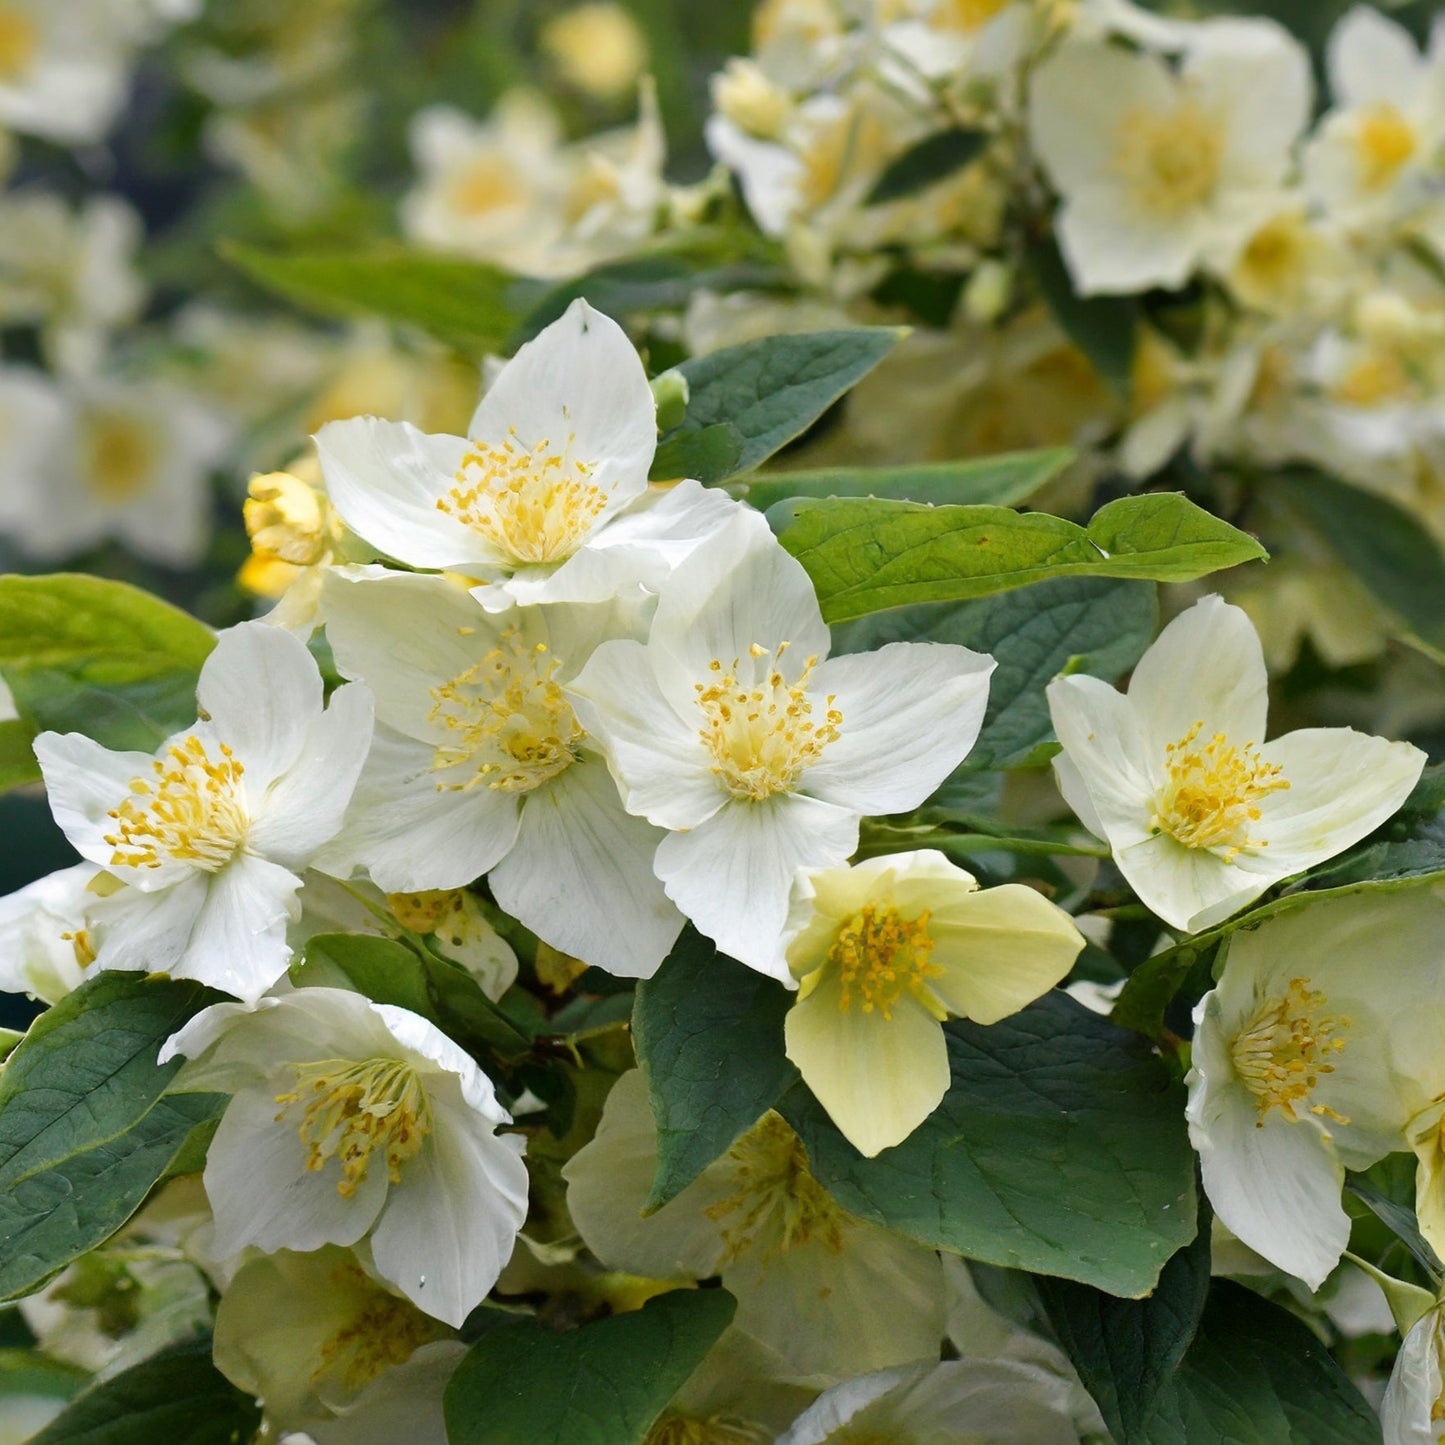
point(1189, 888)
point(385, 478)
point(149, 932)
point(1071, 785)
point(1370, 58)
point(732, 874)
point(580, 875)
point(83, 782)
point(1407, 1412)
point(911, 711)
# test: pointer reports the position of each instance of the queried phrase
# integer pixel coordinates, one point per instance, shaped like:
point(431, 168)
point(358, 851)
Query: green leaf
point(1396, 558)
point(17, 757)
point(1151, 987)
point(1104, 328)
point(1126, 1351)
point(1395, 1214)
point(1059, 1148)
point(390, 972)
point(773, 389)
point(866, 555)
point(933, 159)
point(1097, 625)
point(178, 1396)
point(1000, 481)
point(84, 1130)
point(465, 304)
point(88, 655)
point(708, 456)
point(709, 1037)
point(1256, 1375)
point(604, 1384)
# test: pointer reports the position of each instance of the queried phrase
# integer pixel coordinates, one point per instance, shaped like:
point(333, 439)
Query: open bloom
point(1200, 813)
point(211, 834)
point(350, 1119)
point(1309, 1057)
point(883, 952)
point(732, 728)
point(1413, 1410)
point(548, 501)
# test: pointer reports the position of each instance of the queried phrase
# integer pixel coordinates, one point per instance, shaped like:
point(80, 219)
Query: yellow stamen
point(120, 456)
point(381, 1331)
point(880, 956)
point(1285, 1048)
point(1383, 143)
point(19, 43)
point(761, 733)
point(1213, 794)
point(288, 520)
point(355, 1107)
point(714, 1430)
point(1170, 160)
point(488, 184)
point(191, 812)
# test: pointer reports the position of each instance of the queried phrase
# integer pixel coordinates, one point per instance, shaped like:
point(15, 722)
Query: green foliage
point(709, 1036)
point(925, 163)
point(84, 654)
point(85, 1128)
point(1104, 328)
point(866, 555)
point(466, 304)
point(1060, 1148)
point(772, 390)
point(604, 1384)
point(178, 1396)
point(1001, 481)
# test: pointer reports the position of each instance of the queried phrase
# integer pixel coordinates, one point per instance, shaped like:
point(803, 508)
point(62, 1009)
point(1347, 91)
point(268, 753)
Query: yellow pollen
point(490, 183)
point(190, 812)
point(356, 1107)
point(507, 718)
point(777, 1205)
point(120, 456)
point(380, 1331)
point(83, 945)
point(1170, 160)
point(1213, 793)
point(880, 956)
point(536, 504)
point(288, 520)
point(19, 42)
point(1285, 1049)
point(760, 729)
point(1383, 143)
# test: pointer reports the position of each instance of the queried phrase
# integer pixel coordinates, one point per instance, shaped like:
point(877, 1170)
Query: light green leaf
point(774, 389)
point(85, 1131)
point(466, 304)
point(866, 555)
point(178, 1396)
point(1000, 481)
point(88, 655)
point(1059, 1148)
point(709, 1037)
point(17, 757)
point(933, 159)
point(604, 1384)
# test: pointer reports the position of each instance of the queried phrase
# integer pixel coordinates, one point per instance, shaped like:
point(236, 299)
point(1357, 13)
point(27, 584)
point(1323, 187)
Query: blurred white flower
point(45, 941)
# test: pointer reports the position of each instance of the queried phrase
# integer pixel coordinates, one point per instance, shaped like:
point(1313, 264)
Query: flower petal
point(83, 782)
point(1104, 744)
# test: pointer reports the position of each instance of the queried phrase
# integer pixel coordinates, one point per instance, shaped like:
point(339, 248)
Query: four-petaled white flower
point(211, 833)
point(548, 501)
point(883, 952)
point(732, 728)
point(1202, 815)
point(348, 1119)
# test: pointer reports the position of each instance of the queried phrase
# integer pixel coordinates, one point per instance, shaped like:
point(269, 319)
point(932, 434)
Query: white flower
point(480, 766)
point(732, 728)
point(883, 952)
point(211, 834)
point(1163, 171)
point(548, 501)
point(1413, 1410)
point(45, 945)
point(1202, 815)
point(1315, 1048)
point(350, 1119)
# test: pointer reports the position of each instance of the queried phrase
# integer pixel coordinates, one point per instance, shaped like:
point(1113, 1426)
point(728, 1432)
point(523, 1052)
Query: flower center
point(1282, 1052)
point(508, 718)
point(190, 812)
point(1383, 143)
point(777, 1204)
point(1170, 161)
point(1378, 376)
point(354, 1108)
point(966, 16)
point(380, 1331)
point(715, 1430)
point(762, 737)
point(490, 183)
point(19, 40)
point(1213, 793)
point(880, 956)
point(536, 504)
point(120, 457)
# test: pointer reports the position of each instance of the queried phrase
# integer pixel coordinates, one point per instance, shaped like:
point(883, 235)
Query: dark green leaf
point(709, 1037)
point(933, 159)
point(773, 389)
point(463, 303)
point(604, 1384)
point(866, 555)
point(998, 481)
point(1399, 1218)
point(1059, 1148)
point(84, 1130)
point(708, 456)
point(1102, 327)
point(178, 1396)
point(1152, 986)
